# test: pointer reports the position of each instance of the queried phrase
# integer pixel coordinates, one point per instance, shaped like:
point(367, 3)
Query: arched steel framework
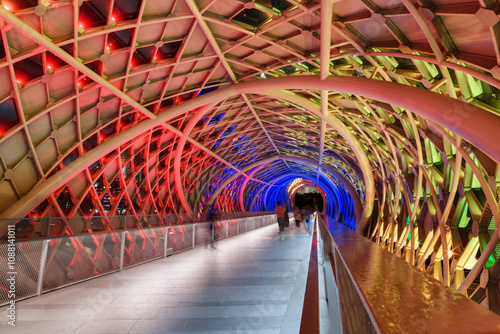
point(169, 106)
point(334, 194)
point(303, 184)
point(403, 96)
point(350, 189)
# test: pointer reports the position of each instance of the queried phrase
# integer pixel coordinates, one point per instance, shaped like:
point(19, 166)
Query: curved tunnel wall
point(338, 203)
point(407, 113)
point(392, 187)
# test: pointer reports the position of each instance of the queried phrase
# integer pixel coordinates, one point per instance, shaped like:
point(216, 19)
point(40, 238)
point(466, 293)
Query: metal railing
point(369, 290)
point(42, 265)
point(39, 228)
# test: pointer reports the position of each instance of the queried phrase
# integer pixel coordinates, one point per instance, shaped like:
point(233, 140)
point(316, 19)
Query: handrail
point(375, 291)
point(41, 228)
point(309, 323)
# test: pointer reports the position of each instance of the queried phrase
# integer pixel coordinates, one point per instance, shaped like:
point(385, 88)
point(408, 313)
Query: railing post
point(194, 235)
point(43, 262)
point(165, 242)
point(48, 228)
point(122, 248)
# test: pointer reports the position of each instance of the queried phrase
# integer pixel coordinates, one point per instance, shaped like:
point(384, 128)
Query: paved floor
point(252, 283)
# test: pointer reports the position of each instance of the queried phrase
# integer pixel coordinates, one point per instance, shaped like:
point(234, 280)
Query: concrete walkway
point(252, 283)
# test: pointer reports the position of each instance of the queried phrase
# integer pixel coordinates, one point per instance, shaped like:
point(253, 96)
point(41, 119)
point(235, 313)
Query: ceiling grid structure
point(153, 107)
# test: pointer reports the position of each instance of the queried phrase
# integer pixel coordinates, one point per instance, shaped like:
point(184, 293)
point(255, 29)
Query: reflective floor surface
point(251, 283)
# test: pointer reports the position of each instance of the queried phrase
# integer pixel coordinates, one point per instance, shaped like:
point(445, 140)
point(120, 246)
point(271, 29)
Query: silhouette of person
point(297, 215)
point(308, 215)
point(211, 233)
point(280, 213)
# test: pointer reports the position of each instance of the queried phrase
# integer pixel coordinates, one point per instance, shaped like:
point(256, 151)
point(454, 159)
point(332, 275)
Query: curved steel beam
point(352, 141)
point(350, 189)
point(335, 123)
point(458, 116)
point(243, 186)
point(59, 52)
point(483, 76)
point(179, 187)
point(425, 28)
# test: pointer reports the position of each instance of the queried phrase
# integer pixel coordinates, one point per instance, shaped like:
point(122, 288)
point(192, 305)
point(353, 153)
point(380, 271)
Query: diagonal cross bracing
point(209, 35)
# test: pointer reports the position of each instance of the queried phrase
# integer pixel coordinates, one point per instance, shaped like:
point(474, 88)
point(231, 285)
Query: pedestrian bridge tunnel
point(154, 110)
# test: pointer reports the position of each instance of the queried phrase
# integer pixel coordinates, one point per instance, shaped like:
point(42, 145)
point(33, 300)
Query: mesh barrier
point(26, 266)
point(57, 226)
point(117, 222)
point(242, 225)
point(250, 223)
point(180, 237)
point(36, 228)
point(98, 224)
point(202, 234)
point(75, 224)
point(108, 258)
point(220, 230)
point(70, 259)
point(232, 227)
point(25, 227)
point(143, 245)
point(133, 222)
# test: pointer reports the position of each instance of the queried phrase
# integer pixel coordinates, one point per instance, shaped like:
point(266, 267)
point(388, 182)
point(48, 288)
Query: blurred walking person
point(280, 213)
point(297, 215)
point(211, 233)
point(308, 216)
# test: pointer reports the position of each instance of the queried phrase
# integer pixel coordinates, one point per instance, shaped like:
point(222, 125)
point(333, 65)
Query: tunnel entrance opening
point(309, 196)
